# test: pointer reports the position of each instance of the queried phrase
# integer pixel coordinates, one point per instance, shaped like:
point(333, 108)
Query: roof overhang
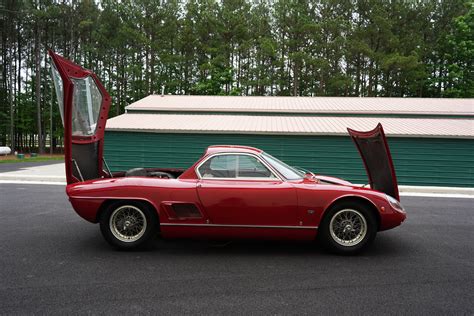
point(290, 125)
point(304, 105)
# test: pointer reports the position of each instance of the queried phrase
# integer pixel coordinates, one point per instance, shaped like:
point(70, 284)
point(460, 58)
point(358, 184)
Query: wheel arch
point(110, 201)
point(353, 198)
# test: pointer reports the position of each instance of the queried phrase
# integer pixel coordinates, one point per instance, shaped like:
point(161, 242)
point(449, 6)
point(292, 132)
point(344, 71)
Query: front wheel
point(128, 224)
point(348, 228)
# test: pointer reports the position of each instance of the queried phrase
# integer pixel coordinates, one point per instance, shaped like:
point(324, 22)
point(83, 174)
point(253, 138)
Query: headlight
point(394, 203)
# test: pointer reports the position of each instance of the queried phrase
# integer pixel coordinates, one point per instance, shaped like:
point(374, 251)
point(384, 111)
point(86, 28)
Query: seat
point(136, 172)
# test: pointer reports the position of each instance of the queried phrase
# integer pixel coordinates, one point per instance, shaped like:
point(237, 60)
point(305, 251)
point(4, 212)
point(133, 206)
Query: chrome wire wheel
point(348, 227)
point(128, 223)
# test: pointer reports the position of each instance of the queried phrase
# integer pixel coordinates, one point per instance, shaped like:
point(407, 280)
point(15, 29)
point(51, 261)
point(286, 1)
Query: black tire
point(348, 235)
point(128, 225)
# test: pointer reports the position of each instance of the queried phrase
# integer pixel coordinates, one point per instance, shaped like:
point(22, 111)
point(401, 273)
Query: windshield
point(287, 171)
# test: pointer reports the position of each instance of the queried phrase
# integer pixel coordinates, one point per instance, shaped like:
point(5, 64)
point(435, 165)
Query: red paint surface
point(296, 204)
point(377, 132)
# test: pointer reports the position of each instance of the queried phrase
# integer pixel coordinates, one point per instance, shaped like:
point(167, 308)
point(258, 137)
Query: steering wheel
point(162, 175)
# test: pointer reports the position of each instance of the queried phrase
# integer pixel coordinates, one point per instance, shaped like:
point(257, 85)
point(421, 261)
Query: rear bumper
point(86, 208)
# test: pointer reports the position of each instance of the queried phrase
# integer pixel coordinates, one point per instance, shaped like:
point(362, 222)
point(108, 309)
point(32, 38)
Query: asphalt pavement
point(9, 167)
point(53, 262)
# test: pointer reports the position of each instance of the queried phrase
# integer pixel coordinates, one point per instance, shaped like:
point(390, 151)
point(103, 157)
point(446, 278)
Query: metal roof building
point(305, 105)
point(289, 125)
point(432, 140)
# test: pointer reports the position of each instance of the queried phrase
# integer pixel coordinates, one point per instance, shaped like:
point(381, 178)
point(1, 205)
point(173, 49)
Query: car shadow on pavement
point(385, 245)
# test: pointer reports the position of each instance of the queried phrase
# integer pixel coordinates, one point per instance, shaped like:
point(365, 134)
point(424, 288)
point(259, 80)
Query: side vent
point(183, 210)
point(187, 210)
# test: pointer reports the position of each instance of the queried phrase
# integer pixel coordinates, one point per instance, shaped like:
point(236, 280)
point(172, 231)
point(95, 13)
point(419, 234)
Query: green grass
point(14, 159)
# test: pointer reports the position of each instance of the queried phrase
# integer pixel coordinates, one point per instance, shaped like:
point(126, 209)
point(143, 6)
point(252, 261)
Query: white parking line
point(32, 182)
point(445, 195)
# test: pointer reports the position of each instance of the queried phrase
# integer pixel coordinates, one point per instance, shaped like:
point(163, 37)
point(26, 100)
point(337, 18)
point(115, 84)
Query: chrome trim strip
point(265, 163)
point(238, 226)
point(245, 179)
point(102, 197)
point(78, 170)
point(107, 166)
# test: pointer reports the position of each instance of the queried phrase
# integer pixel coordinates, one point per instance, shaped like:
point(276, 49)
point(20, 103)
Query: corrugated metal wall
point(418, 161)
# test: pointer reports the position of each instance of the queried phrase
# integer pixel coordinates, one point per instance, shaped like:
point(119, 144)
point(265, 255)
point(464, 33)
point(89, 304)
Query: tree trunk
point(296, 80)
point(152, 66)
point(12, 110)
point(19, 79)
point(38, 89)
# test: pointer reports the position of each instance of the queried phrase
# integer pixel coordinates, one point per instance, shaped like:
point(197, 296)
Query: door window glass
point(58, 86)
point(87, 100)
point(222, 166)
point(251, 167)
point(234, 166)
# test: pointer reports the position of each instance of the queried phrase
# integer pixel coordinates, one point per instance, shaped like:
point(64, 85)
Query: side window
point(87, 100)
point(251, 167)
point(234, 166)
point(222, 166)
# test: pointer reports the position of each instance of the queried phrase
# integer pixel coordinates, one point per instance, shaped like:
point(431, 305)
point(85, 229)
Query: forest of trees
point(411, 48)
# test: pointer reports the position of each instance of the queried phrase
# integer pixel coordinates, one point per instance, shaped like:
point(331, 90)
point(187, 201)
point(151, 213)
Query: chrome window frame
point(276, 175)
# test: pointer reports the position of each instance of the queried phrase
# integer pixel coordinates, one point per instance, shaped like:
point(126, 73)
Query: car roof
point(232, 148)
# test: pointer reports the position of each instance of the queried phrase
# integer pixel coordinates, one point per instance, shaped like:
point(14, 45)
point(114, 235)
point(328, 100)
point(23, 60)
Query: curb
point(32, 178)
point(32, 182)
point(435, 190)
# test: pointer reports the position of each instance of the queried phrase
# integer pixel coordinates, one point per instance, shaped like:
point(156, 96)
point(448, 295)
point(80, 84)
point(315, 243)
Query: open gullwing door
point(84, 106)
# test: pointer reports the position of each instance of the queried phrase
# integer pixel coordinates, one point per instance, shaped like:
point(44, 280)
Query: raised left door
point(84, 106)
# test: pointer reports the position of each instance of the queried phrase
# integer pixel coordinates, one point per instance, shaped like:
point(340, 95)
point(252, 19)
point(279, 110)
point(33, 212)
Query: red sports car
point(230, 192)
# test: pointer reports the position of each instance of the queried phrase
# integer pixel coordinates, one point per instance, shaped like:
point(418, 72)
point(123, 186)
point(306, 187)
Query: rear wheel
point(348, 228)
point(128, 224)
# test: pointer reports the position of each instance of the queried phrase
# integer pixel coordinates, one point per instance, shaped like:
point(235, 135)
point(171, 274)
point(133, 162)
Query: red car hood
point(373, 149)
